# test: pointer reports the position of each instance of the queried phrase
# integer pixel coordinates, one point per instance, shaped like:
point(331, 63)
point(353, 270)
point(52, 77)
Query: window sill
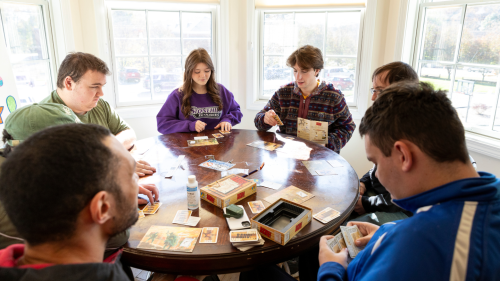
point(482, 144)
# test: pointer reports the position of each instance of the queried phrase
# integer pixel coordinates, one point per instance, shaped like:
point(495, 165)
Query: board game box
point(282, 220)
point(228, 190)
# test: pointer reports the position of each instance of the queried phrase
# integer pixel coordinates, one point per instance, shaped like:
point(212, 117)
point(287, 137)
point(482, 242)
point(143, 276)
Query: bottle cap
point(192, 179)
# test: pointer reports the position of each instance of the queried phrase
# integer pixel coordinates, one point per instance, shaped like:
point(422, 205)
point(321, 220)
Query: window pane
point(33, 80)
point(481, 35)
point(167, 76)
point(164, 33)
point(131, 76)
point(476, 92)
point(278, 34)
point(196, 32)
point(25, 32)
point(441, 30)
point(341, 72)
point(439, 75)
point(129, 31)
point(276, 74)
point(310, 29)
point(342, 33)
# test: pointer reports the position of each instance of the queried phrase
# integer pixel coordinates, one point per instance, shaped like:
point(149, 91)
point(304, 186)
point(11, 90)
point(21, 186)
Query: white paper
point(301, 194)
point(201, 138)
point(271, 185)
point(193, 221)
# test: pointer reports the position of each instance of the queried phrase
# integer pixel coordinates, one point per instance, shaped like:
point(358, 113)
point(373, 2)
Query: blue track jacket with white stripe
point(454, 235)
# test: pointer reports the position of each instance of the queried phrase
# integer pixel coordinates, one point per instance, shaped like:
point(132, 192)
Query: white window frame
point(409, 33)
point(261, 16)
point(163, 7)
point(364, 60)
point(49, 38)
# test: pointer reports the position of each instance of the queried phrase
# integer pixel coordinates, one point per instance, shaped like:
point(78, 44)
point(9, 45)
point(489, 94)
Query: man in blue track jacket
point(415, 137)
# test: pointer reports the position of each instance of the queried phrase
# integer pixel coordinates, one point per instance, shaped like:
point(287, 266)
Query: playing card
point(151, 209)
point(182, 216)
point(193, 221)
point(209, 235)
point(277, 118)
point(257, 182)
point(325, 172)
point(337, 243)
point(327, 215)
point(335, 163)
point(224, 132)
point(202, 142)
point(243, 235)
point(218, 136)
point(256, 206)
point(271, 185)
point(290, 138)
point(217, 165)
point(350, 234)
point(141, 213)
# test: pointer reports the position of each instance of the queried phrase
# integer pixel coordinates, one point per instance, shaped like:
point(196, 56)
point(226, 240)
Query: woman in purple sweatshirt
point(200, 103)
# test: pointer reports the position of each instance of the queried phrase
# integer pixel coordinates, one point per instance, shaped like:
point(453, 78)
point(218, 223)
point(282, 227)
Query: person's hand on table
point(268, 118)
point(224, 126)
point(200, 126)
point(367, 229)
point(362, 188)
point(358, 208)
point(143, 168)
point(149, 190)
point(327, 255)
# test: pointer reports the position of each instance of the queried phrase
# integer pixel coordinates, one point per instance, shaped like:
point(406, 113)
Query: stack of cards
point(184, 217)
point(351, 234)
point(245, 239)
point(337, 243)
point(217, 136)
point(278, 120)
point(209, 235)
point(327, 215)
point(224, 132)
point(151, 210)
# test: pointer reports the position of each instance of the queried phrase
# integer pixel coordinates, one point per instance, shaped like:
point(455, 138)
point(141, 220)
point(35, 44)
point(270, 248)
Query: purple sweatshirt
point(171, 120)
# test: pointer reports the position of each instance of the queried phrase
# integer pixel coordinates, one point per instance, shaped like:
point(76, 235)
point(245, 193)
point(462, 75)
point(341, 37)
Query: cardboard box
point(228, 190)
point(276, 215)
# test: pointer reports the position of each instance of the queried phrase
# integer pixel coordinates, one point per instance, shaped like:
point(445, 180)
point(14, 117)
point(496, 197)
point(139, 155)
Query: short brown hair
point(397, 71)
point(420, 114)
point(306, 57)
point(75, 65)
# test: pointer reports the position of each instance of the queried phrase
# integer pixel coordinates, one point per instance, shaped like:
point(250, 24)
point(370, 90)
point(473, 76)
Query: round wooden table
point(339, 192)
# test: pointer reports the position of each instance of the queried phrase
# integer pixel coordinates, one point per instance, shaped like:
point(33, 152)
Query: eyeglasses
point(373, 91)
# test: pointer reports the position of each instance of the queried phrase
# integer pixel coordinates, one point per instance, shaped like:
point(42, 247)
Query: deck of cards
point(151, 209)
point(256, 206)
point(245, 239)
point(327, 215)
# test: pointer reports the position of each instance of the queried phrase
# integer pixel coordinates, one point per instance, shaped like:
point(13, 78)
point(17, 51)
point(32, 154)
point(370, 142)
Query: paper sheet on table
point(291, 193)
point(317, 165)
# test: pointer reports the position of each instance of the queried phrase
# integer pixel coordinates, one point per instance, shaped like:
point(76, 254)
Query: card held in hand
point(350, 234)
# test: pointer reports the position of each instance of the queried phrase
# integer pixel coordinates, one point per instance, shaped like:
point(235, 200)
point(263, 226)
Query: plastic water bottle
point(193, 193)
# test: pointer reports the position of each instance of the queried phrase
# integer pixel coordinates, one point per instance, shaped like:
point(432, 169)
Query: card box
point(282, 220)
point(244, 189)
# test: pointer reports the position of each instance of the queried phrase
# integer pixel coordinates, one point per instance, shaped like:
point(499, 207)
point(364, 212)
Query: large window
point(27, 37)
point(335, 32)
point(458, 50)
point(150, 48)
